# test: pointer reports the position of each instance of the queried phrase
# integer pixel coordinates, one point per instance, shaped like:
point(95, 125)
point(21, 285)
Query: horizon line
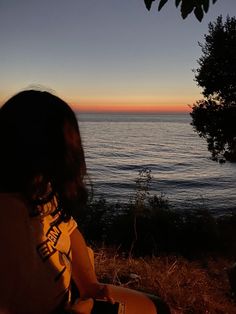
point(138, 112)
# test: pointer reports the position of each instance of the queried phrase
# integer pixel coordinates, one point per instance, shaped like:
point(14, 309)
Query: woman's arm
point(86, 281)
point(83, 272)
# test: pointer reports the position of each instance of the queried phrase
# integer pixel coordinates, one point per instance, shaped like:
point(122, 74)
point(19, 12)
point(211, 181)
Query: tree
point(199, 7)
point(214, 117)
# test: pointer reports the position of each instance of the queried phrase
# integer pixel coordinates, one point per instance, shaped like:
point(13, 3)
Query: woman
point(42, 170)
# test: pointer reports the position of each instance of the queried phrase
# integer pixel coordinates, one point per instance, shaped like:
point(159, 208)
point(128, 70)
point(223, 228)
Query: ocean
point(118, 146)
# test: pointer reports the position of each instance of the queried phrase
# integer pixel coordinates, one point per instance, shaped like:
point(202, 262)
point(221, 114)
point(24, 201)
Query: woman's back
point(41, 179)
point(29, 280)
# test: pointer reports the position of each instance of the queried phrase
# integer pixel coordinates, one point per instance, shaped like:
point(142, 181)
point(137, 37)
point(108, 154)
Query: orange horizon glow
point(102, 107)
point(127, 106)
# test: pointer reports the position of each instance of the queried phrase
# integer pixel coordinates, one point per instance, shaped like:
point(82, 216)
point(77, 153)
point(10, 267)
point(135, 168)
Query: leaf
point(205, 4)
point(148, 4)
point(198, 13)
point(186, 8)
point(161, 4)
point(177, 2)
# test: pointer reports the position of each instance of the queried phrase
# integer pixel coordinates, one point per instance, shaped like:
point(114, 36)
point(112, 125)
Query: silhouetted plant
point(213, 118)
point(142, 187)
point(138, 205)
point(227, 231)
point(216, 71)
point(92, 220)
point(158, 228)
point(199, 7)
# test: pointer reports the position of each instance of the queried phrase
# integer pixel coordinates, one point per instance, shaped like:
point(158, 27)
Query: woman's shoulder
point(12, 205)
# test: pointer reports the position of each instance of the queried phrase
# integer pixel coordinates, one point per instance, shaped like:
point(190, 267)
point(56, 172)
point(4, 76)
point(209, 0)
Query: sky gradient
point(106, 55)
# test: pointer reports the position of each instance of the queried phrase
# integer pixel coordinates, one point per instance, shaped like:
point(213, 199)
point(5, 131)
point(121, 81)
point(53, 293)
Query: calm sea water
point(118, 146)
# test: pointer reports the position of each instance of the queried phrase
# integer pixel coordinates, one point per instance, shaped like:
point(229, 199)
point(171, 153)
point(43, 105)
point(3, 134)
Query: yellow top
point(35, 263)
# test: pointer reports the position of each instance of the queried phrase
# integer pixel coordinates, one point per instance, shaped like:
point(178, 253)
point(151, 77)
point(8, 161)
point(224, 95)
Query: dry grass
point(188, 287)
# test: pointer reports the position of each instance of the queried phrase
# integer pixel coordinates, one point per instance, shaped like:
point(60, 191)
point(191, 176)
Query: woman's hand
point(102, 292)
point(85, 305)
point(81, 306)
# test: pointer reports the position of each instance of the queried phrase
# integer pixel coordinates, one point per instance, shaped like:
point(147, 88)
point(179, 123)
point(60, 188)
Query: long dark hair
point(39, 143)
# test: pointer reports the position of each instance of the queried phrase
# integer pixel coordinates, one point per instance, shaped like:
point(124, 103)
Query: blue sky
point(103, 53)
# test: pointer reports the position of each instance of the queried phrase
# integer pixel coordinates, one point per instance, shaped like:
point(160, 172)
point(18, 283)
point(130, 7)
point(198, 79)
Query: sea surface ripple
point(118, 146)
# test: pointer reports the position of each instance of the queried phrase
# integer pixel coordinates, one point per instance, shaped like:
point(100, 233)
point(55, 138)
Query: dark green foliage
point(216, 122)
point(148, 3)
point(94, 220)
point(227, 230)
point(213, 118)
point(216, 73)
point(147, 225)
point(165, 231)
point(159, 229)
point(199, 234)
point(161, 4)
point(199, 7)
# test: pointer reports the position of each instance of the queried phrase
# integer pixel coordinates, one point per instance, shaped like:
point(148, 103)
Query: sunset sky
point(103, 55)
